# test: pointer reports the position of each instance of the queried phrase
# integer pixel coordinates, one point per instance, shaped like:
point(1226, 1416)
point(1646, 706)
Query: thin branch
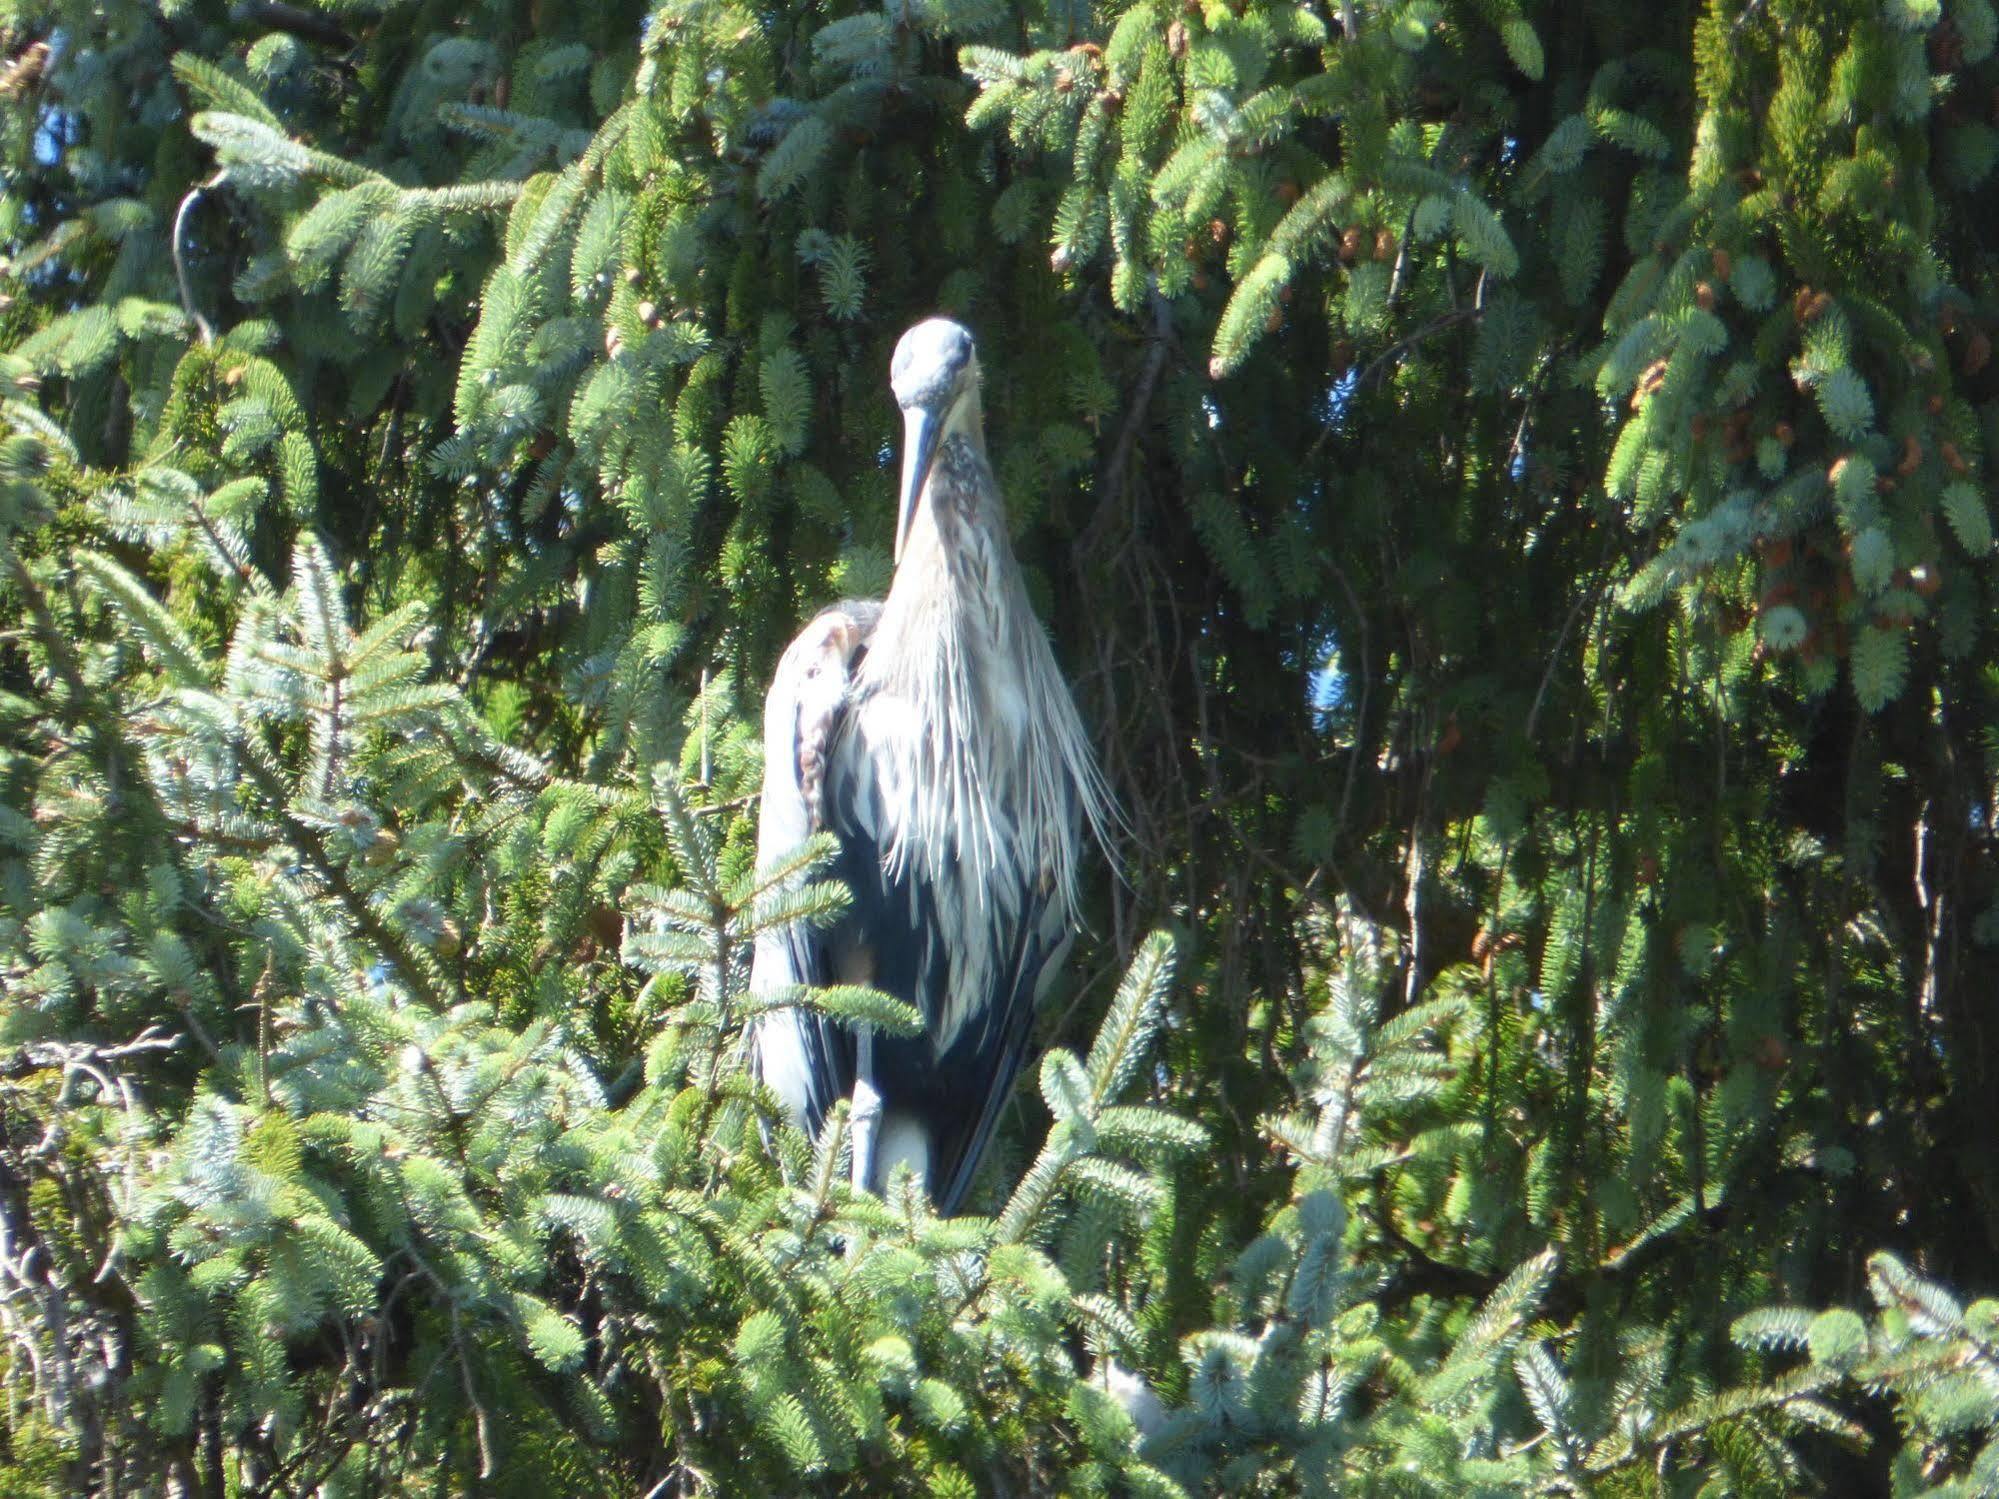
point(1554, 659)
point(737, 804)
point(293, 21)
point(481, 1422)
point(480, 1419)
point(1160, 345)
point(202, 325)
point(1403, 345)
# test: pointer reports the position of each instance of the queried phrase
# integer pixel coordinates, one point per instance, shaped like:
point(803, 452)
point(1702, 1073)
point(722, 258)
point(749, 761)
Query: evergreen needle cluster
point(1508, 484)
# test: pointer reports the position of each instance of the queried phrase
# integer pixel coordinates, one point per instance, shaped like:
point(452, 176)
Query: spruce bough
point(1510, 488)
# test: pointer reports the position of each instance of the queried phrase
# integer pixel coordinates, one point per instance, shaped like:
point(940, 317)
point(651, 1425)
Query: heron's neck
point(993, 769)
point(957, 577)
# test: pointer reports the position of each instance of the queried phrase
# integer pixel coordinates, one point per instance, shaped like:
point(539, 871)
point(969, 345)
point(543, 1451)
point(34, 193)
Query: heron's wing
point(808, 1062)
point(988, 1056)
point(973, 948)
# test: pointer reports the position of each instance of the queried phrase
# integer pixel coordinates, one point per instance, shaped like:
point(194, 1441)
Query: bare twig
point(481, 1422)
point(1403, 345)
point(1160, 344)
point(706, 768)
point(735, 804)
point(294, 21)
point(202, 325)
point(1554, 659)
point(150, 1039)
point(480, 1419)
point(1366, 690)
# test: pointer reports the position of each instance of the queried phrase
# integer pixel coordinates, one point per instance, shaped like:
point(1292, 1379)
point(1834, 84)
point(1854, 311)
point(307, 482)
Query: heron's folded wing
point(973, 958)
point(808, 1062)
point(991, 1053)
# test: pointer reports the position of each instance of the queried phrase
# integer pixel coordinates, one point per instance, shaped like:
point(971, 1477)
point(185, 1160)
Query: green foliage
point(1510, 487)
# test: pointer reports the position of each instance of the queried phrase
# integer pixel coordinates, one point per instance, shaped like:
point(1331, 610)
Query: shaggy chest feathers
point(973, 775)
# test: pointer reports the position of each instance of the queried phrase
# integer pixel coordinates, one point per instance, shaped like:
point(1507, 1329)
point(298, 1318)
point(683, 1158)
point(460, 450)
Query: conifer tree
point(1509, 486)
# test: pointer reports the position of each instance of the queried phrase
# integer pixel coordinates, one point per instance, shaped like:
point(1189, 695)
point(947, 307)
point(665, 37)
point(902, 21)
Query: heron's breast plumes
point(988, 766)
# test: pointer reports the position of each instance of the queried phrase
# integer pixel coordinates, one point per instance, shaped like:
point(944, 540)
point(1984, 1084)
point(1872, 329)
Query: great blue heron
point(933, 735)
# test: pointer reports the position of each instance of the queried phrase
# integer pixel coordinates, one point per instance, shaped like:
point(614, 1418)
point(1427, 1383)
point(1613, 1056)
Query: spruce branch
point(1077, 1095)
point(387, 940)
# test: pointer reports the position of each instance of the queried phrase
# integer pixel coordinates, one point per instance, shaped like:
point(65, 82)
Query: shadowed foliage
point(1507, 483)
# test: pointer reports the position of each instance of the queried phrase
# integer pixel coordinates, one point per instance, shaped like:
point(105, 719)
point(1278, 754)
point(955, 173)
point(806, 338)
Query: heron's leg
point(867, 1115)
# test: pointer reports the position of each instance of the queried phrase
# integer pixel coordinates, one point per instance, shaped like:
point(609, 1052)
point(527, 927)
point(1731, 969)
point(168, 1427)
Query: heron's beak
point(920, 427)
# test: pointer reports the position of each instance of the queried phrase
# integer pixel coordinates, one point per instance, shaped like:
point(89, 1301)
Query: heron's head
point(935, 377)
